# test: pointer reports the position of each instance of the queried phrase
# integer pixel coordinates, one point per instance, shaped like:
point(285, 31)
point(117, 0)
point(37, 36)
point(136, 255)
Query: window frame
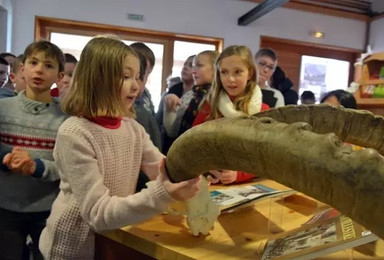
point(44, 26)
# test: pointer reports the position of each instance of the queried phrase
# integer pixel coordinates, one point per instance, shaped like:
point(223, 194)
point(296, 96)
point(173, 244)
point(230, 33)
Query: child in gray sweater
point(29, 179)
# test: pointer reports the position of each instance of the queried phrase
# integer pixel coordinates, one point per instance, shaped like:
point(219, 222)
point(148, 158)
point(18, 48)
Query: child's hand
point(184, 190)
point(19, 161)
point(214, 176)
point(171, 102)
point(228, 176)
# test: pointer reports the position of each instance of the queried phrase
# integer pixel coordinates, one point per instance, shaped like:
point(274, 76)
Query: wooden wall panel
point(289, 55)
point(290, 63)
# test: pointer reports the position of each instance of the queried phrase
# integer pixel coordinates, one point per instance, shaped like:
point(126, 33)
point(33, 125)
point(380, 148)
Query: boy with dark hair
point(10, 58)
point(266, 62)
point(29, 179)
point(307, 98)
point(339, 97)
point(145, 114)
point(16, 75)
point(4, 78)
point(148, 54)
point(64, 83)
point(144, 98)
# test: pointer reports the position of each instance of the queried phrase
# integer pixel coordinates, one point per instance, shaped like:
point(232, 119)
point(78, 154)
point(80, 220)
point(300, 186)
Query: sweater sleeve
point(172, 120)
point(2, 165)
point(101, 210)
point(46, 170)
point(243, 177)
point(169, 118)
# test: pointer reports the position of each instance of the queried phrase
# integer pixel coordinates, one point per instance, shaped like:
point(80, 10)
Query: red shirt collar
point(107, 122)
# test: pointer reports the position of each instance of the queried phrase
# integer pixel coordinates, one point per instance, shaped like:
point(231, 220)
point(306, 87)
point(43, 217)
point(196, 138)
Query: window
point(74, 44)
point(321, 75)
point(183, 50)
point(170, 50)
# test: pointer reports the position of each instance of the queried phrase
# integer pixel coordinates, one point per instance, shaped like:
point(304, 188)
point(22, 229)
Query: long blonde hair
point(241, 102)
point(98, 79)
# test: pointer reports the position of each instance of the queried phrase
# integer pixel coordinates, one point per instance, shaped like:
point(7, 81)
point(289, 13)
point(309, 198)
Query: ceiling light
point(318, 34)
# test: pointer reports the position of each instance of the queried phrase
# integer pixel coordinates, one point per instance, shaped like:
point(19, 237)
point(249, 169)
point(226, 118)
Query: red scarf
point(107, 122)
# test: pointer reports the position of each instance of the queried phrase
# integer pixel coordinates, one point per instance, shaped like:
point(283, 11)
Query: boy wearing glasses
point(266, 61)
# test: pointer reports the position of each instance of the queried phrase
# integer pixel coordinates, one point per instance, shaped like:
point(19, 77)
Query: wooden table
point(237, 235)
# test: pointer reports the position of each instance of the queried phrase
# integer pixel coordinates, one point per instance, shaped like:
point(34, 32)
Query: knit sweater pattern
point(33, 126)
point(99, 168)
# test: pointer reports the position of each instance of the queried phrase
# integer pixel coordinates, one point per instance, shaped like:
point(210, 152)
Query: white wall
point(6, 15)
point(378, 6)
point(217, 18)
point(3, 29)
point(376, 35)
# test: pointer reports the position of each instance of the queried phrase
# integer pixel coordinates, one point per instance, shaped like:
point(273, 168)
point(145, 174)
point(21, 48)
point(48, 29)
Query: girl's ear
point(251, 74)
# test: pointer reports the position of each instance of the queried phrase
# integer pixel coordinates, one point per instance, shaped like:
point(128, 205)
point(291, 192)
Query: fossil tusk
point(319, 165)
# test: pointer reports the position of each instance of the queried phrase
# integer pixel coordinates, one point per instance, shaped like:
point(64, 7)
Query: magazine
point(236, 197)
point(309, 241)
point(323, 216)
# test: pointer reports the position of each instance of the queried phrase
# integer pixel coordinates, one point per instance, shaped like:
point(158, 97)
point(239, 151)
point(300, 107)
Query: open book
point(317, 239)
point(235, 197)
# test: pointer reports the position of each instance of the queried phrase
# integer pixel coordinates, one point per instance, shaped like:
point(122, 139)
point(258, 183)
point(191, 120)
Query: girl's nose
point(135, 86)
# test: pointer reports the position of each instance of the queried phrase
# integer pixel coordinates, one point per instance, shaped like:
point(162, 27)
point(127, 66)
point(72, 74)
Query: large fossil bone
point(358, 127)
point(319, 165)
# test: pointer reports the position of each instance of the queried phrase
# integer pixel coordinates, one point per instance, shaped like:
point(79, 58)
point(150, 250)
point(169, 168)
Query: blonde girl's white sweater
point(99, 169)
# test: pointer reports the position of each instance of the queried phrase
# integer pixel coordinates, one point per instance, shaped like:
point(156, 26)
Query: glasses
point(266, 66)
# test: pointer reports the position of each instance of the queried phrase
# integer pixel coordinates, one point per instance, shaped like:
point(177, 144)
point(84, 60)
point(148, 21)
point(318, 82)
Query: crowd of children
point(85, 156)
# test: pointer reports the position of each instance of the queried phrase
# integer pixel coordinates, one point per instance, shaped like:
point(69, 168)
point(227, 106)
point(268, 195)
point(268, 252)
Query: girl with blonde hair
point(179, 114)
point(234, 92)
point(99, 152)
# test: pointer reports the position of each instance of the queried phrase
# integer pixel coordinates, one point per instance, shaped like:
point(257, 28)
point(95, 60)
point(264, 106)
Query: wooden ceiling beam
point(321, 10)
point(342, 6)
point(344, 3)
point(260, 10)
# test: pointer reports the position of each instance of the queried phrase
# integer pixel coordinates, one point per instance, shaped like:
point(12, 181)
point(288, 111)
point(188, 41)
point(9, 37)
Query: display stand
point(241, 234)
point(369, 80)
point(275, 214)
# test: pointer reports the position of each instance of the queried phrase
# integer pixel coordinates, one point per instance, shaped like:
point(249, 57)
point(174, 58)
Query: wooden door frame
point(45, 25)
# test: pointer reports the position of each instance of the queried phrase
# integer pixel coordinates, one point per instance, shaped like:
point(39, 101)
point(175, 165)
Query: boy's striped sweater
point(33, 126)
